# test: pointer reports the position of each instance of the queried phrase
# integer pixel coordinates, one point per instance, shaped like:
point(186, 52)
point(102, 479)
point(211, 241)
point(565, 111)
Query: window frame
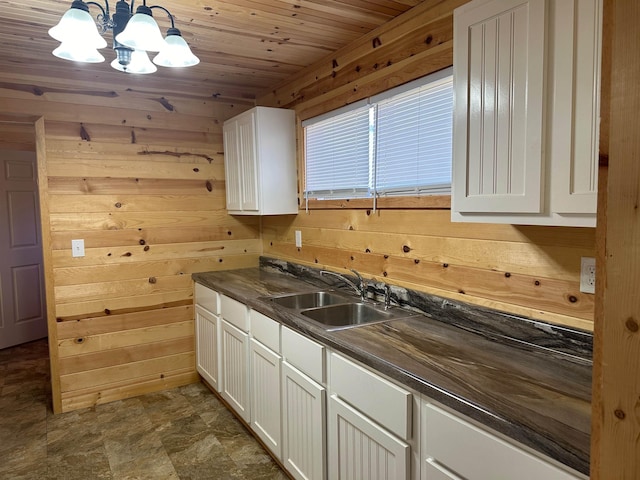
point(394, 201)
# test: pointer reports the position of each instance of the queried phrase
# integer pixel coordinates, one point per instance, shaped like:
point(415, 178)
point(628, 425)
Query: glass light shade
point(176, 53)
point(140, 63)
point(78, 52)
point(78, 26)
point(142, 33)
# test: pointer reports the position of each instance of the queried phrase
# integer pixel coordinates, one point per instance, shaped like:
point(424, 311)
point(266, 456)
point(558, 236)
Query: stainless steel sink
point(335, 317)
point(301, 301)
point(336, 311)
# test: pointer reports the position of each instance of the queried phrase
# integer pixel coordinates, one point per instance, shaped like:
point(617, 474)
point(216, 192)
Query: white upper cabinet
point(526, 116)
point(260, 162)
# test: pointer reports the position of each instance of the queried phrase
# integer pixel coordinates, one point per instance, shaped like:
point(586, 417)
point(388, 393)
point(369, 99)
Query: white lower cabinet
point(454, 449)
point(303, 424)
point(361, 449)
point(369, 428)
point(369, 424)
point(265, 395)
point(207, 346)
point(235, 369)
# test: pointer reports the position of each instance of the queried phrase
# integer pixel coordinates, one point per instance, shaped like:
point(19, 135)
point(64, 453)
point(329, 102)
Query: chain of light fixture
point(133, 37)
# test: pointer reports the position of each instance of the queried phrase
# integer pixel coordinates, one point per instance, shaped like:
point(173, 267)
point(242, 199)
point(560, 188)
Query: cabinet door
point(303, 425)
point(265, 395)
point(575, 112)
point(359, 448)
point(232, 166)
point(207, 347)
point(235, 369)
point(499, 77)
point(248, 162)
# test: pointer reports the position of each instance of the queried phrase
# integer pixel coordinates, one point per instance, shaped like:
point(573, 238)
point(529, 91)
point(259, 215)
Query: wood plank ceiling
point(245, 46)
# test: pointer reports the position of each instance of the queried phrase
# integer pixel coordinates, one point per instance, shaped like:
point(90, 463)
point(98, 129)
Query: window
point(395, 143)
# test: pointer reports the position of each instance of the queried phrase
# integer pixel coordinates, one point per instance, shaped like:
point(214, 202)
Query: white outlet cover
point(298, 238)
point(77, 248)
point(588, 275)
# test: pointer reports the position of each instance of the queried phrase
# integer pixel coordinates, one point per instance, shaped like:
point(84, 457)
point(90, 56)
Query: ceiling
point(245, 46)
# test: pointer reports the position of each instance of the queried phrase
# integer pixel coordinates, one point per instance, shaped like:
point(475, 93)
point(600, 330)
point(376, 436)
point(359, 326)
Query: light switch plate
point(298, 238)
point(588, 275)
point(77, 248)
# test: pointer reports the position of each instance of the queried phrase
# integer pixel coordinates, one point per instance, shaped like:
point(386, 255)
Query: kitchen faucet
point(361, 288)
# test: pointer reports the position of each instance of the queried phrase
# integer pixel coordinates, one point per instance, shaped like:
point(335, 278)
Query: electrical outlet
point(588, 275)
point(77, 248)
point(298, 239)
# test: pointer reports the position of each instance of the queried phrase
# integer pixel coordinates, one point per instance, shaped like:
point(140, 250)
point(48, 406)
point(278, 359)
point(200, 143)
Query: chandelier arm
point(105, 12)
point(171, 17)
point(104, 19)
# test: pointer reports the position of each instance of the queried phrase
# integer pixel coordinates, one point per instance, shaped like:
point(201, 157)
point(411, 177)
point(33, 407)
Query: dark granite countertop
point(528, 380)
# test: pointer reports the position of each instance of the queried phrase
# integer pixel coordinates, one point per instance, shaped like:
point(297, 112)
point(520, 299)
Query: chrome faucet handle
point(362, 285)
point(387, 296)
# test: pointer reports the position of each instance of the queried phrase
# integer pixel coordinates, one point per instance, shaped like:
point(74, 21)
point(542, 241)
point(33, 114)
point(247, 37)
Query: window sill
point(442, 202)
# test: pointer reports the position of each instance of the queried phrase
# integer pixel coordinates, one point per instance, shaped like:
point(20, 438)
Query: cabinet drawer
point(207, 298)
point(454, 445)
point(234, 312)
point(265, 330)
point(376, 397)
point(303, 353)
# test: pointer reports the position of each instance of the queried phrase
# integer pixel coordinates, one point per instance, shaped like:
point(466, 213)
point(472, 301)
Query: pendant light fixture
point(133, 37)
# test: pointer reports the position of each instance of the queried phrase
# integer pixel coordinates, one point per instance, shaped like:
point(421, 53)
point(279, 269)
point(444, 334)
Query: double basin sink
point(335, 311)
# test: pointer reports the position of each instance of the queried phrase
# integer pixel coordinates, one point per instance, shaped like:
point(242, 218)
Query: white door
point(22, 302)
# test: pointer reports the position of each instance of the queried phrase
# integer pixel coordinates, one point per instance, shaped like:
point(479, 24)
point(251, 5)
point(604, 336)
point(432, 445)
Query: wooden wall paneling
point(16, 135)
point(47, 262)
point(108, 97)
point(120, 373)
point(135, 353)
point(101, 394)
point(115, 134)
point(85, 149)
point(71, 347)
point(115, 305)
point(65, 276)
point(144, 167)
point(130, 186)
point(425, 42)
point(133, 203)
point(59, 111)
point(149, 202)
point(105, 324)
point(423, 63)
point(229, 230)
point(550, 299)
point(549, 261)
point(68, 79)
point(433, 223)
point(616, 414)
point(107, 291)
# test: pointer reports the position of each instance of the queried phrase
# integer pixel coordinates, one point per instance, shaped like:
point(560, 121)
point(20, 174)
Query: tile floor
point(185, 433)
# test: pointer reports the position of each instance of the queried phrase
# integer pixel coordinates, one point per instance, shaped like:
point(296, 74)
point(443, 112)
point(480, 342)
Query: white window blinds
point(337, 156)
point(413, 141)
point(396, 143)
